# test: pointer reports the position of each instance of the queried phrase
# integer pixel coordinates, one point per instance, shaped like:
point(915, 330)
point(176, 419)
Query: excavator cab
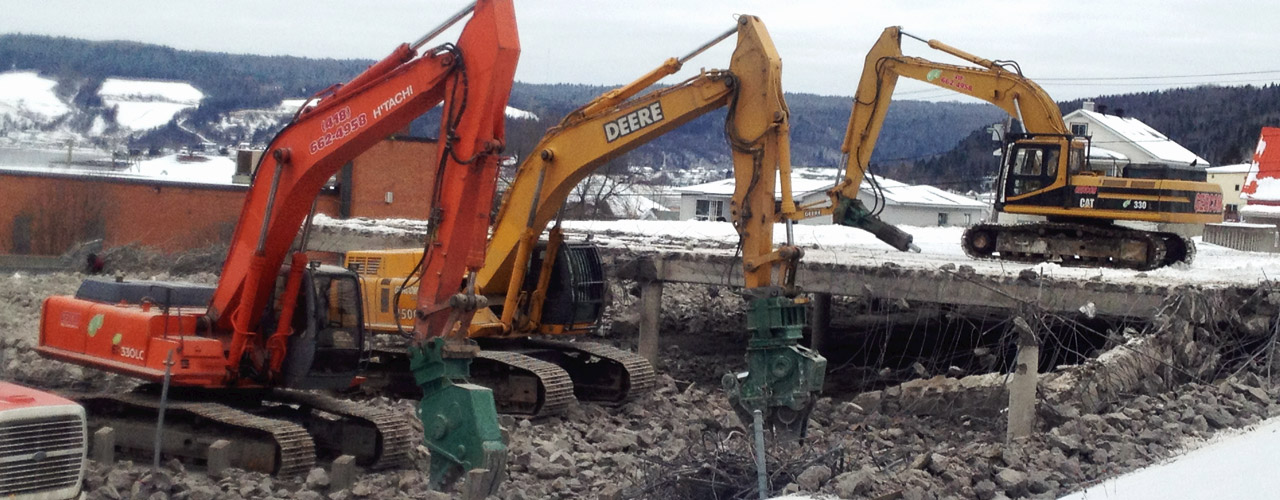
point(1037, 168)
point(328, 346)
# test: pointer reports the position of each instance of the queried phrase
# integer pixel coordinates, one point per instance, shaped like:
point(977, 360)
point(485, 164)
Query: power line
point(1115, 78)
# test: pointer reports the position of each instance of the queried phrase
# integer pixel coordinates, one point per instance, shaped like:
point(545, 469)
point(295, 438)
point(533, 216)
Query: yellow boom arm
point(991, 82)
point(618, 122)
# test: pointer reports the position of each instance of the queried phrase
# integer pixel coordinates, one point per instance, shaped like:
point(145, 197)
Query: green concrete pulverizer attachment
point(783, 378)
point(459, 419)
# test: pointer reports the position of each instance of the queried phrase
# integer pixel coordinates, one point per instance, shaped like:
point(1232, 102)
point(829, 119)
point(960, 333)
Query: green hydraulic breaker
point(851, 212)
point(783, 378)
point(459, 419)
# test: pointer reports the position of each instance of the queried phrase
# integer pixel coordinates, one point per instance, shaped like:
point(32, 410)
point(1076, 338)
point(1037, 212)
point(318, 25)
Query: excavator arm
point(995, 82)
point(473, 79)
point(459, 418)
point(607, 127)
point(991, 81)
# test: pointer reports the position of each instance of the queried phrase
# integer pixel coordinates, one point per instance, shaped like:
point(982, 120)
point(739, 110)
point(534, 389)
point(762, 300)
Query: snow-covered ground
point(147, 104)
point(1213, 265)
point(1235, 466)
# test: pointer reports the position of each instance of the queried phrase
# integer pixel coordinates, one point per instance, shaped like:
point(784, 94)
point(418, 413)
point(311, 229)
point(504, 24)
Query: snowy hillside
point(27, 98)
point(143, 105)
point(246, 123)
point(520, 114)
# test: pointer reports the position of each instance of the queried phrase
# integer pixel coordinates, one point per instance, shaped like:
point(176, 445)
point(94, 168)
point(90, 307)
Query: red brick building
point(47, 212)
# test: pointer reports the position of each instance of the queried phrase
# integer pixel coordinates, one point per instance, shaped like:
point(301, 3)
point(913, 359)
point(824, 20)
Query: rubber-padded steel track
point(1077, 245)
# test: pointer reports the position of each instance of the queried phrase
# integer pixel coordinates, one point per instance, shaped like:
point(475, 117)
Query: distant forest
point(233, 82)
point(1221, 124)
point(926, 142)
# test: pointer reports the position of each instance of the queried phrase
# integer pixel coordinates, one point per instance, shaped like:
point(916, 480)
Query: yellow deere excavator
point(1045, 172)
point(557, 288)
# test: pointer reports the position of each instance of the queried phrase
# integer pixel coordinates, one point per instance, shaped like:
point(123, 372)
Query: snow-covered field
point(24, 93)
point(1238, 466)
point(145, 104)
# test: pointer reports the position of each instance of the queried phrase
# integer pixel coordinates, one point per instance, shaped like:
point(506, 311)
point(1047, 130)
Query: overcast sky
point(822, 43)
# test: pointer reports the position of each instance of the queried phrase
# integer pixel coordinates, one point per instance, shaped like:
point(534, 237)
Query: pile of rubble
point(1095, 421)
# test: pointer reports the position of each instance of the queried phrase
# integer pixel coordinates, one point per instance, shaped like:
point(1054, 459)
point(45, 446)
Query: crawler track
point(294, 449)
point(277, 432)
point(601, 373)
point(532, 377)
point(1078, 245)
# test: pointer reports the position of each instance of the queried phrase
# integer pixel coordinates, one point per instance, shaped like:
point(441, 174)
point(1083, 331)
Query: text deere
point(633, 121)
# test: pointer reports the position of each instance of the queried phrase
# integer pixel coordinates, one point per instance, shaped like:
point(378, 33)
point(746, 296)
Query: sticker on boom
point(633, 121)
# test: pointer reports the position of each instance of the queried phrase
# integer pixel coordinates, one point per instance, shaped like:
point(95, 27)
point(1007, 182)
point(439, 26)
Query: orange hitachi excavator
point(235, 354)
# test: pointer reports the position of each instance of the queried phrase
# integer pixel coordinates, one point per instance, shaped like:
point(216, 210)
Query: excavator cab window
point(337, 313)
point(1031, 168)
point(1076, 161)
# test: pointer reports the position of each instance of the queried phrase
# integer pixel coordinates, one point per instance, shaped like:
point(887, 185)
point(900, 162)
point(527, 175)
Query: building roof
point(805, 182)
point(1141, 136)
point(801, 186)
point(171, 168)
point(1239, 168)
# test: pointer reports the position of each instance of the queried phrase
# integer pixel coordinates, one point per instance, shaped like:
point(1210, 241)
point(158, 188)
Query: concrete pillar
point(650, 319)
point(343, 473)
point(1022, 384)
point(820, 321)
point(218, 458)
point(104, 446)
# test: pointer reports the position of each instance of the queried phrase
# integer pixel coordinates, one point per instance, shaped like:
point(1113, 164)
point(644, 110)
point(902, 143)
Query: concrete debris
point(1149, 391)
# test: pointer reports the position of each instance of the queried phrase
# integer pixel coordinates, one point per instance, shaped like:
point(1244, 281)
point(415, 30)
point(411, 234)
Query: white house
point(903, 204)
point(1118, 140)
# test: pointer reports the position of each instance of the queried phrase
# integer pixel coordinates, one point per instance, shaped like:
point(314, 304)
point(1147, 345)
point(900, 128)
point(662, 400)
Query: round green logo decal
point(933, 75)
point(116, 339)
point(95, 323)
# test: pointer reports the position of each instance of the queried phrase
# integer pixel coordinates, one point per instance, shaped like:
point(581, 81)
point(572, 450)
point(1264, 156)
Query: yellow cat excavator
point(1045, 172)
point(557, 288)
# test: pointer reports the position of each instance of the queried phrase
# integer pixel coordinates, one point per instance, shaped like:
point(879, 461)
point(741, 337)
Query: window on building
point(942, 218)
point(1081, 129)
point(1237, 188)
point(709, 210)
